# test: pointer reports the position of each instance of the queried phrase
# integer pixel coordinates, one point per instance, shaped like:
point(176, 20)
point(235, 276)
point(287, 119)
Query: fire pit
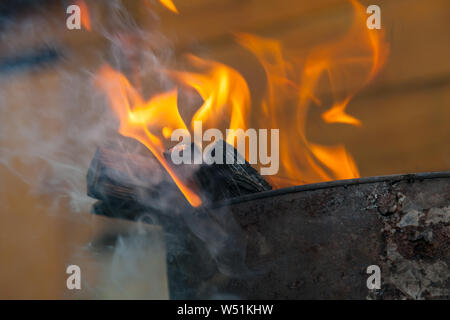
point(318, 240)
point(314, 241)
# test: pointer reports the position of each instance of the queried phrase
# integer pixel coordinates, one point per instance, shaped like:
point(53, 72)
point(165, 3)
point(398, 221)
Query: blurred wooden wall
point(405, 111)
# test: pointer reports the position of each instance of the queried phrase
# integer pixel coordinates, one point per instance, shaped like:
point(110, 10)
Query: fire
point(292, 88)
point(146, 121)
point(224, 91)
point(301, 160)
point(85, 16)
point(169, 5)
point(363, 48)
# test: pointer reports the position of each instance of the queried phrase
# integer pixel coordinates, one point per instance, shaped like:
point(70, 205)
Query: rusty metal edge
point(330, 184)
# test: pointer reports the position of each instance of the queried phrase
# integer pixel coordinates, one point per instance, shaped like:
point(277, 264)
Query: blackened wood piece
point(220, 181)
point(128, 180)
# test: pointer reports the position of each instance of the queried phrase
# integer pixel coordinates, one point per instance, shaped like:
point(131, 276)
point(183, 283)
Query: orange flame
point(225, 94)
point(301, 160)
point(85, 16)
point(363, 48)
point(145, 121)
point(292, 88)
point(169, 5)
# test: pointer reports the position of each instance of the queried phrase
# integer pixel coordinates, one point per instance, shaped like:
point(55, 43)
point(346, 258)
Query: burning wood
point(292, 87)
point(128, 179)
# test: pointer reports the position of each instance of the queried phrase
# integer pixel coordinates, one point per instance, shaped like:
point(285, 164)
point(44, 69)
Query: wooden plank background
point(405, 111)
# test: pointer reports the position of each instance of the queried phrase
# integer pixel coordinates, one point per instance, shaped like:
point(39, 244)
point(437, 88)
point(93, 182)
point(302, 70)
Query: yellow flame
point(224, 92)
point(169, 5)
point(292, 88)
point(145, 121)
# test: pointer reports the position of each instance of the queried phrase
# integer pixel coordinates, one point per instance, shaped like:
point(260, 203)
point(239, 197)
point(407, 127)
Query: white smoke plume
point(52, 119)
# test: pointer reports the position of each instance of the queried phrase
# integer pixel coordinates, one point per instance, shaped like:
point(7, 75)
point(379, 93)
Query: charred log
point(127, 179)
point(228, 176)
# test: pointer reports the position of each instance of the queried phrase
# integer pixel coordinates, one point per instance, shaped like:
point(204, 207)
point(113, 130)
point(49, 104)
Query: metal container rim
point(331, 184)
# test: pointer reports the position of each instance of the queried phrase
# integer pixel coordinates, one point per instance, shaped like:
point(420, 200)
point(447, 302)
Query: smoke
point(222, 241)
point(49, 130)
point(52, 119)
